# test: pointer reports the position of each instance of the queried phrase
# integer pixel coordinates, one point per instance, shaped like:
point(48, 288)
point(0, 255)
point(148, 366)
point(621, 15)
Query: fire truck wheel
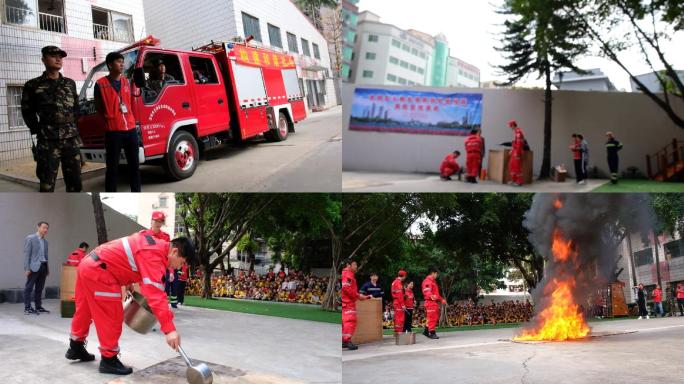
point(182, 157)
point(282, 130)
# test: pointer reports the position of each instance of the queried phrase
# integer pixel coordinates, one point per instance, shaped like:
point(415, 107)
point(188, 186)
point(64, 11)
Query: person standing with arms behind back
point(432, 300)
point(409, 301)
point(49, 105)
point(516, 157)
point(612, 148)
point(36, 267)
point(113, 103)
point(658, 301)
point(350, 294)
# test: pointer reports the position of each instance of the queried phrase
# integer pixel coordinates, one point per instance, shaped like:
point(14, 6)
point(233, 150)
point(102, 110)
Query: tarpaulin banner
point(415, 112)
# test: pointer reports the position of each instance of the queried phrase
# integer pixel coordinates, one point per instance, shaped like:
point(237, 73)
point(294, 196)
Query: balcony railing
point(102, 32)
point(52, 23)
point(16, 15)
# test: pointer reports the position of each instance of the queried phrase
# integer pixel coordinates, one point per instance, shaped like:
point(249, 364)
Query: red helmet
point(158, 216)
point(402, 273)
point(512, 123)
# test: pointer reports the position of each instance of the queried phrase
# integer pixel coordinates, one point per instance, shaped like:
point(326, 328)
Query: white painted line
point(422, 349)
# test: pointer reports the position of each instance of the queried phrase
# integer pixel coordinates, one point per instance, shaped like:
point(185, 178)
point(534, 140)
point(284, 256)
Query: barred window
point(251, 26)
point(16, 121)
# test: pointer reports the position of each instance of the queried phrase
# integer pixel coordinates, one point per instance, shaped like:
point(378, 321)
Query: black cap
point(52, 50)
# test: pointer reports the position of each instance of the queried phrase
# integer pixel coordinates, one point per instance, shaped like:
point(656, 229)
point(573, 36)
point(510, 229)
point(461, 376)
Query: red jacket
point(431, 290)
point(141, 259)
point(115, 120)
point(680, 292)
point(518, 144)
point(398, 292)
point(75, 257)
point(409, 299)
point(350, 292)
point(577, 150)
point(449, 162)
point(183, 273)
point(657, 295)
point(161, 235)
point(473, 143)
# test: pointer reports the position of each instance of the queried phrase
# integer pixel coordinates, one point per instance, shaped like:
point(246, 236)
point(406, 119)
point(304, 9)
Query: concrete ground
point(310, 160)
point(33, 347)
point(652, 354)
point(417, 182)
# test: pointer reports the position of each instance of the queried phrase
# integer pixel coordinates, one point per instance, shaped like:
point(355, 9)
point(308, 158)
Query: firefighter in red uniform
point(449, 166)
point(432, 300)
point(350, 293)
point(517, 150)
point(398, 301)
point(158, 221)
point(77, 255)
point(182, 282)
point(474, 145)
point(135, 258)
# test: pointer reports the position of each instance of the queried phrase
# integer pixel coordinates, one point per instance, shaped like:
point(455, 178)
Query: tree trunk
point(545, 171)
point(100, 224)
point(329, 300)
point(632, 267)
point(657, 258)
point(206, 293)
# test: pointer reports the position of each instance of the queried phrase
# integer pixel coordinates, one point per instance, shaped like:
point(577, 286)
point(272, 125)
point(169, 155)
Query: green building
point(350, 19)
point(441, 60)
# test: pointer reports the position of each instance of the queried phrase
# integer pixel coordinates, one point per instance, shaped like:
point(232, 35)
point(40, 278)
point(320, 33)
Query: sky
point(125, 203)
point(472, 26)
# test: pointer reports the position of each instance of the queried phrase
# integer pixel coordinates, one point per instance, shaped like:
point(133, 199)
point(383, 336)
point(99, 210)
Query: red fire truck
point(213, 94)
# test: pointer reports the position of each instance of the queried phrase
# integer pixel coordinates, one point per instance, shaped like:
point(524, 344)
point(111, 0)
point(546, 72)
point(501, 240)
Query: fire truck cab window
point(161, 71)
point(203, 70)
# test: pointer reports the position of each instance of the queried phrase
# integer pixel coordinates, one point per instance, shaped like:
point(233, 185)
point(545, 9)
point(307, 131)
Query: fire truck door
point(210, 95)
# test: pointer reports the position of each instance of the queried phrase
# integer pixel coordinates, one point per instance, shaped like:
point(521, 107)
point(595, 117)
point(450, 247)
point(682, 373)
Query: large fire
point(561, 319)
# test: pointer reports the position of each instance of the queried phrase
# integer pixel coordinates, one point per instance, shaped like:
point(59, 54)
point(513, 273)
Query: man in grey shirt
point(36, 268)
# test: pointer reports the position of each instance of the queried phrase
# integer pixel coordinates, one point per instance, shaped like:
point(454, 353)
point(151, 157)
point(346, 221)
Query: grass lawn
point(490, 326)
point(640, 186)
point(287, 310)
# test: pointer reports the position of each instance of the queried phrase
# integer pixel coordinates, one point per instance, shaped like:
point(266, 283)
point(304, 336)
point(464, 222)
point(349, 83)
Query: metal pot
point(138, 314)
point(196, 374)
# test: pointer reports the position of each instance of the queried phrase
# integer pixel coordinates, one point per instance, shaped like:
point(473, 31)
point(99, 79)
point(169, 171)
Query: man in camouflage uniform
point(49, 104)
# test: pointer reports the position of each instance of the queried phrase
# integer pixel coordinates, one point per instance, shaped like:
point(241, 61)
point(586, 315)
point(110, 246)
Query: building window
point(113, 26)
point(367, 74)
point(406, 48)
point(394, 60)
point(47, 15)
point(422, 55)
point(373, 38)
point(163, 201)
point(370, 56)
point(395, 43)
point(292, 43)
point(421, 70)
point(305, 47)
point(414, 52)
point(413, 68)
point(251, 26)
point(274, 36)
point(203, 70)
point(14, 107)
point(317, 52)
point(391, 77)
point(411, 83)
point(404, 64)
point(673, 249)
point(643, 257)
point(402, 81)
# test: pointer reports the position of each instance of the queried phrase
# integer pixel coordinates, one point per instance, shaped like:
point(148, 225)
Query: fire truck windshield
point(100, 70)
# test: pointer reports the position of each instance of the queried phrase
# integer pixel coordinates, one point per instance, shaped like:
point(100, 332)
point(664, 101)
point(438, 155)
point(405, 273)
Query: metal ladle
point(196, 374)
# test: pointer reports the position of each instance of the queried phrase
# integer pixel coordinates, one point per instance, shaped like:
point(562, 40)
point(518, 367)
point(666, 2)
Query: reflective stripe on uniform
point(108, 294)
point(348, 312)
point(147, 280)
point(129, 254)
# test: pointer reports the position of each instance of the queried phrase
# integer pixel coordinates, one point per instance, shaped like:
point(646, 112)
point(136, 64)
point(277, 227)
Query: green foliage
point(669, 210)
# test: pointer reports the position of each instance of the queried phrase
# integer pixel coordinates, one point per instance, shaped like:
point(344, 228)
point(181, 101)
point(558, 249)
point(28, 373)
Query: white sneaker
point(582, 182)
point(640, 318)
point(647, 317)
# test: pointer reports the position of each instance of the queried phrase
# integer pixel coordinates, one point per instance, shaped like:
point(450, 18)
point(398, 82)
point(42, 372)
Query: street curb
point(59, 183)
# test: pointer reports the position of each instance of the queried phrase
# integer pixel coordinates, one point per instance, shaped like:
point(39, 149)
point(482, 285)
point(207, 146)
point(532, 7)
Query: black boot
point(349, 345)
point(77, 351)
point(433, 335)
point(113, 365)
point(426, 332)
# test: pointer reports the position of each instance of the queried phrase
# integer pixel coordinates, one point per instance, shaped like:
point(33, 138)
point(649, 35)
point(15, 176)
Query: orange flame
point(561, 319)
point(558, 204)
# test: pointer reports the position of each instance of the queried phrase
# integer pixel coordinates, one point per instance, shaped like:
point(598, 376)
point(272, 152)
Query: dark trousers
point(35, 280)
point(613, 163)
point(680, 303)
point(115, 141)
point(579, 170)
point(180, 291)
point(408, 320)
point(642, 308)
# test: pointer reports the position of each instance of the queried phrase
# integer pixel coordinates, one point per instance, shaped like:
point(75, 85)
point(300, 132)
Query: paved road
point(650, 355)
point(310, 160)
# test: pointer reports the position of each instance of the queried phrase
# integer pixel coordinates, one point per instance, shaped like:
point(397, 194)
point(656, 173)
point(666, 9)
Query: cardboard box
point(67, 282)
point(497, 166)
point(368, 321)
point(406, 338)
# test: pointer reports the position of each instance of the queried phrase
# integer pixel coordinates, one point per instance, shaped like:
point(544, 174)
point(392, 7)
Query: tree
point(215, 222)
point(100, 225)
point(311, 8)
point(669, 210)
point(649, 24)
point(333, 31)
point(540, 38)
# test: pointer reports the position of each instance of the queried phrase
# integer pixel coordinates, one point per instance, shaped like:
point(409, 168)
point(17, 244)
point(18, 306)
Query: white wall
point(149, 202)
point(636, 121)
point(71, 221)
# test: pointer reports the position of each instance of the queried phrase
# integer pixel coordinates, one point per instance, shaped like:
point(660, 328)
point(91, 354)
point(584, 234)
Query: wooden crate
point(497, 166)
point(368, 321)
point(67, 283)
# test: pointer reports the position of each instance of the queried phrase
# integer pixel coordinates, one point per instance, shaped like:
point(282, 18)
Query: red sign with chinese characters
point(262, 58)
